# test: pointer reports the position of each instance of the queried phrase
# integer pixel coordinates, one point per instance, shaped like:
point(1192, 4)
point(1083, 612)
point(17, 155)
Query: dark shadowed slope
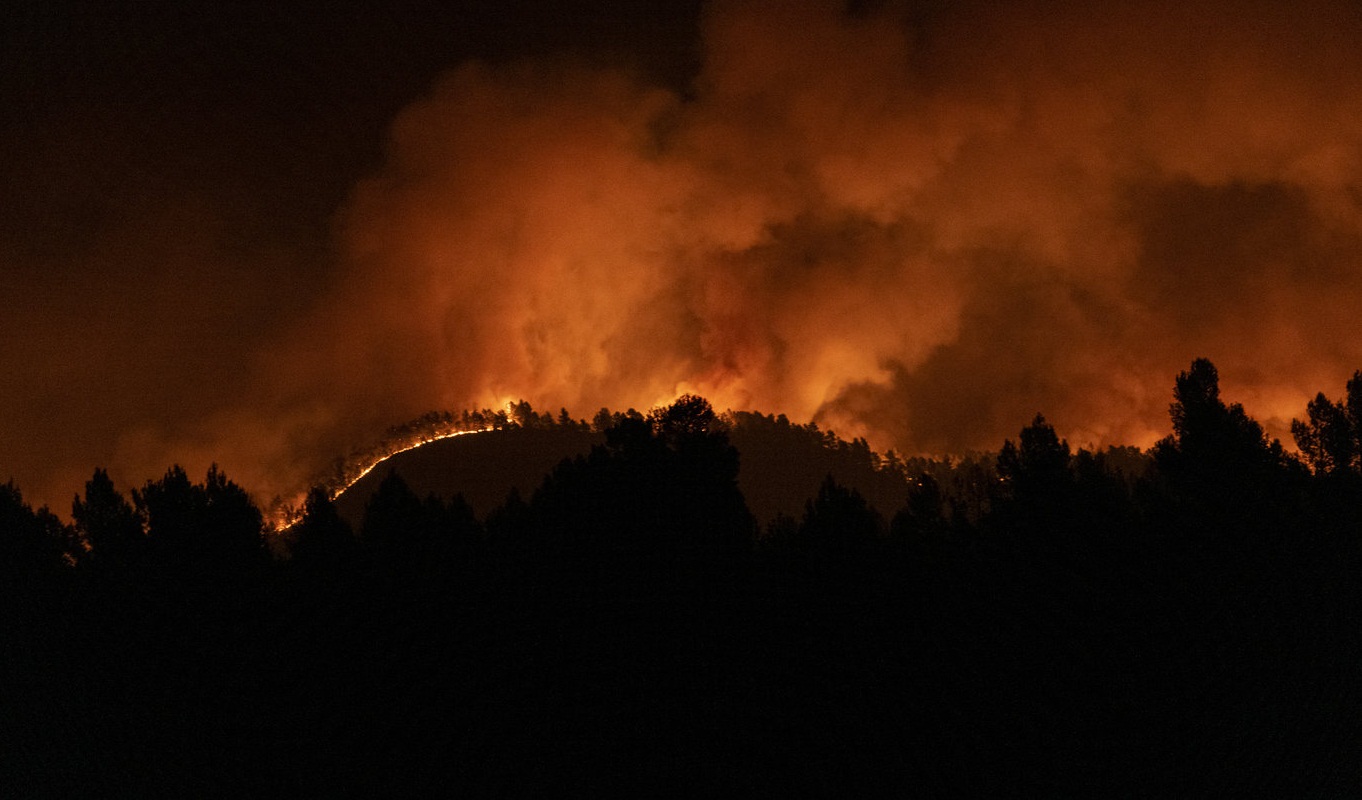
point(484, 467)
point(782, 466)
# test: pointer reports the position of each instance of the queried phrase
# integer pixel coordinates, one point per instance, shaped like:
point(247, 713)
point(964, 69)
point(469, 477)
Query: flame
point(289, 514)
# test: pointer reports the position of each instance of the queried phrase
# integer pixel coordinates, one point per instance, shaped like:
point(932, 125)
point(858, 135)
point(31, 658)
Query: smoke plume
point(920, 224)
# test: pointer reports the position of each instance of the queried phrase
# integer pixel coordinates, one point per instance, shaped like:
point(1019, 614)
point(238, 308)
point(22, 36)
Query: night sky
point(257, 236)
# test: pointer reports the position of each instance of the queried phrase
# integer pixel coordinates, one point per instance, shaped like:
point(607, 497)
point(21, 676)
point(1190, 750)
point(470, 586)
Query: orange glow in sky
point(917, 225)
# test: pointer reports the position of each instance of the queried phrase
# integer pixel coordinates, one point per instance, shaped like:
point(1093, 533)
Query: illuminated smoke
point(922, 226)
point(924, 229)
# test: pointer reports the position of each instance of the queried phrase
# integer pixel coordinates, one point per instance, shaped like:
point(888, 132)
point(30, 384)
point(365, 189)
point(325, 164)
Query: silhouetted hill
point(781, 466)
point(484, 467)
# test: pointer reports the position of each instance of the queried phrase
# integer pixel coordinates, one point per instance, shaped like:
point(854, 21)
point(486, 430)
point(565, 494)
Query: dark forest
point(1040, 622)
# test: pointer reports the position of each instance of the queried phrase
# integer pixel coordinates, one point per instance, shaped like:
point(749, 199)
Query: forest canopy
point(1043, 619)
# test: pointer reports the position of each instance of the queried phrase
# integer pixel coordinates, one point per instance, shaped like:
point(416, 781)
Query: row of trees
point(345, 470)
point(172, 525)
point(1047, 623)
point(1217, 461)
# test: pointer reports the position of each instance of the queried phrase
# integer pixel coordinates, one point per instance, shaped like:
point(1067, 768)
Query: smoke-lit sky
point(257, 236)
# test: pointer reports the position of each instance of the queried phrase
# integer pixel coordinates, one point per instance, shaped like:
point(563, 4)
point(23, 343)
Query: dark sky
point(172, 176)
point(266, 114)
point(259, 236)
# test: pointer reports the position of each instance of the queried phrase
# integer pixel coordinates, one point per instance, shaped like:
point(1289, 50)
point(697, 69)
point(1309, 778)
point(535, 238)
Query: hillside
point(484, 467)
point(781, 466)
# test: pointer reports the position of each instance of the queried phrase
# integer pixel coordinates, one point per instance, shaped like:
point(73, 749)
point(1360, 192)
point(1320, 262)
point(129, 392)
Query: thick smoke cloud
point(918, 224)
point(920, 227)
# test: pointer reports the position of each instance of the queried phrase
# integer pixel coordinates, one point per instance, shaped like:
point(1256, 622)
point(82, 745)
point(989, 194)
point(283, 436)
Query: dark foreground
point(1194, 632)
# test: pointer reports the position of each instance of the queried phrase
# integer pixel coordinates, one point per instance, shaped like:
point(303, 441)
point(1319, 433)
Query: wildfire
point(413, 446)
point(286, 515)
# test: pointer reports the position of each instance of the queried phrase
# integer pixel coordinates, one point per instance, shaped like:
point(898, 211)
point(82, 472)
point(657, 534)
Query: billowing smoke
point(917, 224)
point(924, 228)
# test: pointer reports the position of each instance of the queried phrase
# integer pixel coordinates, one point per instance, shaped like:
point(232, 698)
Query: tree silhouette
point(1207, 433)
point(1218, 459)
point(686, 422)
point(1330, 437)
point(322, 537)
point(206, 530)
point(838, 519)
point(108, 524)
point(172, 507)
point(1036, 474)
point(233, 526)
point(510, 521)
point(1327, 437)
point(925, 511)
point(32, 543)
point(422, 538)
point(1353, 403)
point(460, 528)
point(394, 518)
point(666, 484)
